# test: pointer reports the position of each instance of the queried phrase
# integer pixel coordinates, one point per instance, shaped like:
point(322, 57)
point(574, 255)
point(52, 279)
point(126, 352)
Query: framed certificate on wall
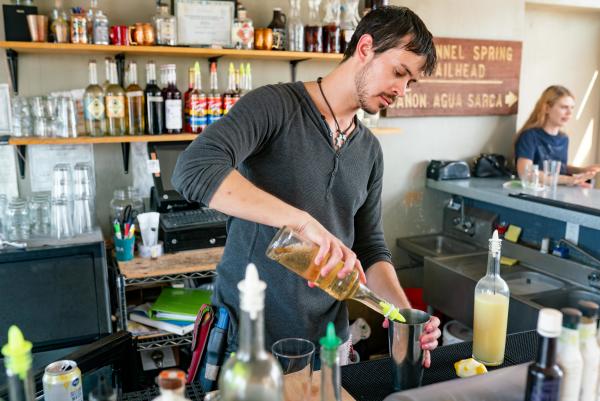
point(204, 22)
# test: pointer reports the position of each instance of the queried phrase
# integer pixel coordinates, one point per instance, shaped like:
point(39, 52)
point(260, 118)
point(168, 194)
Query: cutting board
point(293, 388)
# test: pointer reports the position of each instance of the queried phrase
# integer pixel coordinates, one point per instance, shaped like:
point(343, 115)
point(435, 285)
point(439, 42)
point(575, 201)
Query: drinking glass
point(17, 220)
point(39, 213)
point(3, 206)
point(66, 121)
point(531, 179)
point(21, 117)
point(551, 174)
point(83, 215)
point(61, 182)
point(296, 357)
point(61, 223)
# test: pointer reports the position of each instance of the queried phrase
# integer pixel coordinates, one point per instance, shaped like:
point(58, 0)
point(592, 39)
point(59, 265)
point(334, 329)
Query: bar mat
point(192, 391)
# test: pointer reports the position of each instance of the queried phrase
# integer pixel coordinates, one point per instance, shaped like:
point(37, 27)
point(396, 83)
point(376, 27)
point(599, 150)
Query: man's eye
point(409, 84)
point(400, 74)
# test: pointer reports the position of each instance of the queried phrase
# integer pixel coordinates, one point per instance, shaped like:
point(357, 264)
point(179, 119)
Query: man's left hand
point(429, 339)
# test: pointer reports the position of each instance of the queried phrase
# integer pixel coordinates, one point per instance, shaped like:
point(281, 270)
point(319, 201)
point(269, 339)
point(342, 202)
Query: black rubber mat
point(192, 392)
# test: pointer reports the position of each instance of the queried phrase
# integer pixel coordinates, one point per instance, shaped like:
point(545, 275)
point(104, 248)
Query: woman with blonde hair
point(541, 137)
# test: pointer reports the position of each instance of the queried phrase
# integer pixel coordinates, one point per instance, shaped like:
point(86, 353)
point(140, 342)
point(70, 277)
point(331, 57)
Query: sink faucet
point(463, 223)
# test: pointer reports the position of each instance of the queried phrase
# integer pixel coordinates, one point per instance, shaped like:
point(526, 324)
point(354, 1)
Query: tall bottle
point(297, 253)
point(107, 63)
point(313, 31)
point(277, 25)
point(197, 104)
point(490, 316)
point(215, 102)
point(544, 376)
point(248, 86)
point(155, 113)
point(295, 28)
point(116, 123)
point(17, 361)
point(242, 34)
point(349, 22)
point(331, 387)
point(569, 356)
point(186, 100)
point(165, 26)
point(252, 373)
point(134, 101)
point(331, 27)
point(173, 103)
point(589, 349)
point(230, 96)
point(93, 104)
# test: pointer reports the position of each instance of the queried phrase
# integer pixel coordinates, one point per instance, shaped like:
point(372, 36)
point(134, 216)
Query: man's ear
point(364, 48)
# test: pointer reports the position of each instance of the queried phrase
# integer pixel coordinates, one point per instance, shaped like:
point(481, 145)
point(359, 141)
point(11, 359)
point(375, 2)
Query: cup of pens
point(124, 237)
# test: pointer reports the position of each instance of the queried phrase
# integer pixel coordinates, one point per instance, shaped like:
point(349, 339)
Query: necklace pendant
point(340, 139)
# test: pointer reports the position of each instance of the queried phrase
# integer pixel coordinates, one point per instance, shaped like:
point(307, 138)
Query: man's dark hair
point(388, 25)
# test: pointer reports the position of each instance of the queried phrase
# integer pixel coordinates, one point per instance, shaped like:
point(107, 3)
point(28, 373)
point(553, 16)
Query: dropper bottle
point(17, 360)
point(490, 315)
point(331, 389)
point(297, 253)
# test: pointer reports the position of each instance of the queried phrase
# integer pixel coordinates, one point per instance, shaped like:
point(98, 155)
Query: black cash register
point(183, 225)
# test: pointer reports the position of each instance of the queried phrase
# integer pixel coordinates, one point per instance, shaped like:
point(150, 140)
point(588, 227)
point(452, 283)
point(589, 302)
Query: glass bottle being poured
point(298, 254)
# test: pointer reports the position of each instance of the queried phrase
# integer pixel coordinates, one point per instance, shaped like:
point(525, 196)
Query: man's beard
point(360, 82)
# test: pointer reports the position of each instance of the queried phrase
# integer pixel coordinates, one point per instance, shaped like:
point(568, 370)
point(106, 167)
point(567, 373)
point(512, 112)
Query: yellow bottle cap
point(17, 353)
point(391, 312)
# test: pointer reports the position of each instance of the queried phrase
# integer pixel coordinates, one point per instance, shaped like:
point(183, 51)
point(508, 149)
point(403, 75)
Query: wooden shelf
point(385, 131)
point(101, 139)
point(70, 48)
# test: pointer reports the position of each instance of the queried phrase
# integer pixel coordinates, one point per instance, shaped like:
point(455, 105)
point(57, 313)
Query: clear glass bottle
point(295, 28)
point(93, 104)
point(296, 253)
point(544, 376)
point(134, 102)
point(165, 26)
point(89, 16)
point(589, 349)
point(100, 28)
point(349, 22)
point(313, 31)
point(107, 62)
point(490, 316)
point(59, 23)
point(277, 25)
point(173, 103)
point(569, 356)
point(155, 113)
point(331, 387)
point(197, 104)
point(116, 123)
point(252, 373)
point(242, 34)
point(331, 27)
point(17, 361)
point(215, 102)
point(230, 96)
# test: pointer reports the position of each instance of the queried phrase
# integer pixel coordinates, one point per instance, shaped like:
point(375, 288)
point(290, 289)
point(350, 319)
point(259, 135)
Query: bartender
point(542, 137)
point(296, 155)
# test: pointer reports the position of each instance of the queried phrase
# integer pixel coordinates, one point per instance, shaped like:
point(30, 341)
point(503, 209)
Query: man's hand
point(429, 339)
point(582, 178)
point(331, 250)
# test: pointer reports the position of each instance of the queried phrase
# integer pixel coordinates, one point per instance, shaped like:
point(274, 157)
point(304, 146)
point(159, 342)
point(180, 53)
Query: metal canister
point(62, 382)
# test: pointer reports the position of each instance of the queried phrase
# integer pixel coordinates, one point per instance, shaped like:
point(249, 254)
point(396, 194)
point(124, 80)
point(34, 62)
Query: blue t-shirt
point(537, 145)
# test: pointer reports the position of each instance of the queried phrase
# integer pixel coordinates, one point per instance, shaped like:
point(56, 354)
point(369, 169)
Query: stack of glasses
point(44, 116)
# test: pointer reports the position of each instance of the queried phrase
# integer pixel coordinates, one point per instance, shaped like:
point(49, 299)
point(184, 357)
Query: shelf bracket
point(21, 159)
point(120, 61)
point(13, 68)
point(293, 67)
point(125, 148)
point(214, 59)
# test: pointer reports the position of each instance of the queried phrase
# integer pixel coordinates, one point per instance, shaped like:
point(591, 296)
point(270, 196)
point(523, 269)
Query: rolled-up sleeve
point(369, 241)
point(224, 144)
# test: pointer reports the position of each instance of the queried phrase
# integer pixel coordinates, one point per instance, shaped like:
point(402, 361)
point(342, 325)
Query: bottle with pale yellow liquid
point(490, 316)
point(296, 253)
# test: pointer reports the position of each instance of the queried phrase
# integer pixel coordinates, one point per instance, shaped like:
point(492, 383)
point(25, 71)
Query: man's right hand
point(331, 246)
point(582, 178)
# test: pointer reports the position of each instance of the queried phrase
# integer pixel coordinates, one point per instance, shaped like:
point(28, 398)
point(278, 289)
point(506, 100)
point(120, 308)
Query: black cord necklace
point(342, 136)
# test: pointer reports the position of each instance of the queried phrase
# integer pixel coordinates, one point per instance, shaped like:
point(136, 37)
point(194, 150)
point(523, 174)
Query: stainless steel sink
point(528, 283)
point(565, 298)
point(437, 245)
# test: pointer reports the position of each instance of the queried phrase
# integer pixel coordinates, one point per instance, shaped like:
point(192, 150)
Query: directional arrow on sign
point(510, 99)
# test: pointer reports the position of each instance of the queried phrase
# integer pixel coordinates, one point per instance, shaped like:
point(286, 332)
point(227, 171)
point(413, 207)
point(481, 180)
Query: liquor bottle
point(230, 96)
point(116, 123)
point(331, 27)
point(297, 253)
point(349, 22)
point(569, 356)
point(93, 104)
point(544, 375)
point(215, 104)
point(277, 25)
point(242, 32)
point(173, 103)
point(155, 113)
point(197, 104)
point(252, 373)
point(589, 349)
point(89, 16)
point(295, 28)
point(313, 31)
point(165, 26)
point(17, 361)
point(186, 101)
point(248, 78)
point(100, 28)
point(107, 62)
point(490, 316)
point(134, 103)
point(331, 387)
point(59, 23)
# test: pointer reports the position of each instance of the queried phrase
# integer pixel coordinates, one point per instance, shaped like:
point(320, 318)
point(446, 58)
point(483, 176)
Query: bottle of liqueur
point(173, 103)
point(242, 35)
point(134, 102)
point(186, 100)
point(349, 22)
point(331, 27)
point(93, 104)
point(107, 62)
point(116, 123)
point(197, 104)
point(215, 103)
point(155, 113)
point(313, 31)
point(231, 96)
point(295, 28)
